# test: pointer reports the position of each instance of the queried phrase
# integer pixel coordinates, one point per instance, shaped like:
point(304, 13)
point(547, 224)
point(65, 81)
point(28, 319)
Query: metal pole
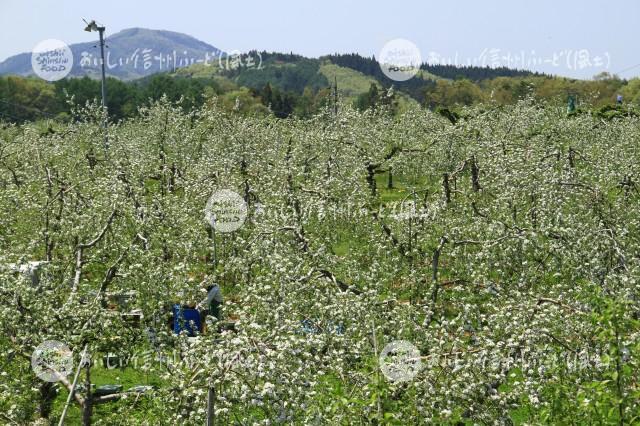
point(104, 89)
point(73, 386)
point(215, 254)
point(211, 411)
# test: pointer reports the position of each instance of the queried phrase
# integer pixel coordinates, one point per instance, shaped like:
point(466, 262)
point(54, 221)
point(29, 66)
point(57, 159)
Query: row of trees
point(30, 99)
point(513, 268)
point(295, 89)
point(600, 91)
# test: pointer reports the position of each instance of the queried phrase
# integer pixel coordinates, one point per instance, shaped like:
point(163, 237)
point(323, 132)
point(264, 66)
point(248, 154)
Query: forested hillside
point(291, 85)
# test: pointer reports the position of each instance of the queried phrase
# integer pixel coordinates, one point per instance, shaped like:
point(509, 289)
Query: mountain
point(138, 52)
point(130, 54)
point(156, 63)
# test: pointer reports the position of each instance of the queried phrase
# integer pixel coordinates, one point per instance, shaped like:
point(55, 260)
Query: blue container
point(186, 319)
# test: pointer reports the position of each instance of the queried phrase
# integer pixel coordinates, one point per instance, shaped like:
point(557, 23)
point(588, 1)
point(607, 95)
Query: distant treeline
point(289, 84)
point(370, 66)
point(25, 99)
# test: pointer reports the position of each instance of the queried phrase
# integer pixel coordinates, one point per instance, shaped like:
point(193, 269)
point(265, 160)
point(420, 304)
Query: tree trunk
point(445, 185)
point(87, 410)
point(211, 412)
point(47, 395)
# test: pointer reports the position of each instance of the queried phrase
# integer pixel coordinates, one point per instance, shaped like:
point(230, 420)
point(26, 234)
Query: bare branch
point(102, 232)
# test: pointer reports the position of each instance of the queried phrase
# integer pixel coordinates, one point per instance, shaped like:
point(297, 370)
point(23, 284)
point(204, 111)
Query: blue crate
point(186, 319)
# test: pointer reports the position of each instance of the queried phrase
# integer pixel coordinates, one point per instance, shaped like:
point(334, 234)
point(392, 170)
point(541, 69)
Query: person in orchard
point(210, 305)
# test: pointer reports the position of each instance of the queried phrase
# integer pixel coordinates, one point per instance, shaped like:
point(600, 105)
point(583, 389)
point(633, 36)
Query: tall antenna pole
point(92, 26)
point(104, 88)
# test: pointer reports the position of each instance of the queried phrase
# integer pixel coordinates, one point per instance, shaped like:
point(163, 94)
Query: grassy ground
point(127, 377)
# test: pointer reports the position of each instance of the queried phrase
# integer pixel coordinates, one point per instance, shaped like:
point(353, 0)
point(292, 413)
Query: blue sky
point(565, 37)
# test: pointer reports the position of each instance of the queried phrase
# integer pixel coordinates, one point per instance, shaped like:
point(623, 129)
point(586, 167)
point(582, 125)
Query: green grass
point(351, 83)
point(137, 407)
